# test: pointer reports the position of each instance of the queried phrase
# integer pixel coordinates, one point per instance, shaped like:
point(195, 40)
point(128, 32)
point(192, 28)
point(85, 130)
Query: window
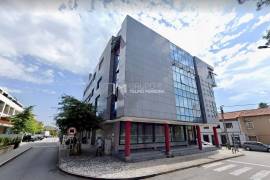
point(249, 125)
point(97, 102)
point(92, 92)
point(140, 133)
point(148, 133)
point(122, 133)
point(252, 138)
point(94, 76)
point(206, 138)
point(134, 134)
point(159, 133)
point(100, 64)
point(177, 133)
point(98, 83)
point(228, 125)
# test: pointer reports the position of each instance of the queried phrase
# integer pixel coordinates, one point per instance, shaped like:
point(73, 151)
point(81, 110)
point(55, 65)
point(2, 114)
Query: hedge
point(9, 140)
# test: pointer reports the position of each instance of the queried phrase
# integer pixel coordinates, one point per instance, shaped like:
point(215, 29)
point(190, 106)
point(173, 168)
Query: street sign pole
point(225, 129)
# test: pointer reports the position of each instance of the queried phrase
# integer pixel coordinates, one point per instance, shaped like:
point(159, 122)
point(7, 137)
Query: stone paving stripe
point(260, 175)
point(212, 164)
point(223, 168)
point(240, 171)
point(240, 162)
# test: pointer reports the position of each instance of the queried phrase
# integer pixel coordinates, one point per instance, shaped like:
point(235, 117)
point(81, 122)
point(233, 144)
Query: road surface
point(253, 166)
point(39, 163)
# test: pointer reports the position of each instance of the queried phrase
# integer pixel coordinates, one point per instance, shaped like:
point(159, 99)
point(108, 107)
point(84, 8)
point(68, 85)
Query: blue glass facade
point(185, 88)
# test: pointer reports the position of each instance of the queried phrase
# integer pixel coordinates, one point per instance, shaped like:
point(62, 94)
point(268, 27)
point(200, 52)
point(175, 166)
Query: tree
point(22, 122)
point(261, 3)
point(53, 130)
point(25, 122)
point(39, 127)
point(78, 114)
point(263, 105)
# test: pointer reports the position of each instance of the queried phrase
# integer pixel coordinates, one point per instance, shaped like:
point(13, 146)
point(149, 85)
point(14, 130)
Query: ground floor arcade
point(131, 135)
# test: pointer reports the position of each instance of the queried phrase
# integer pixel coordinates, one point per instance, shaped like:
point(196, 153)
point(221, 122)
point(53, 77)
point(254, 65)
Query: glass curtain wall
point(185, 88)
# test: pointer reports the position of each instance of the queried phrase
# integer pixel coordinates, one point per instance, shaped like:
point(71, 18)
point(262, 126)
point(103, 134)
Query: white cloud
point(262, 19)
point(47, 91)
point(11, 90)
point(61, 39)
point(14, 69)
point(246, 18)
point(74, 40)
point(239, 97)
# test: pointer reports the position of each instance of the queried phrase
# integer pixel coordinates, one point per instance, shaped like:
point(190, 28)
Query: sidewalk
point(108, 167)
point(4, 158)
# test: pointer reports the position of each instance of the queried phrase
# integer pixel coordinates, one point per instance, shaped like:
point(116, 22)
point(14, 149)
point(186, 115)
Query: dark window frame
point(98, 82)
point(96, 101)
point(229, 125)
point(100, 63)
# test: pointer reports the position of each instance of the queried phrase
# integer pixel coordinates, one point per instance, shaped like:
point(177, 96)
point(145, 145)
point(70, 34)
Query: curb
point(188, 167)
point(146, 176)
point(14, 157)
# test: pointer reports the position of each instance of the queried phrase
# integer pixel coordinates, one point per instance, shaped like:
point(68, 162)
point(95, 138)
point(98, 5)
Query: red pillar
point(199, 137)
point(215, 136)
point(127, 139)
point(167, 139)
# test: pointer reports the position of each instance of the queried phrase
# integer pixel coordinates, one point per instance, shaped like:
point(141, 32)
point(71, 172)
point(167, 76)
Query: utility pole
point(225, 129)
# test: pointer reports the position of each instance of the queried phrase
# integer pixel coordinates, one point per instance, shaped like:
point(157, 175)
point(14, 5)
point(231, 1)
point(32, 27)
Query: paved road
point(39, 163)
point(253, 166)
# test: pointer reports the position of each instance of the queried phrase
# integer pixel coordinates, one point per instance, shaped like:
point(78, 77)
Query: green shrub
point(6, 141)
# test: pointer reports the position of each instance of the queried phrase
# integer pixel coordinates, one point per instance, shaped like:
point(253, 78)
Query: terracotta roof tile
point(245, 113)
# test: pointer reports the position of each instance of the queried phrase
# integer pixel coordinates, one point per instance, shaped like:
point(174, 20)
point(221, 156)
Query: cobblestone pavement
point(110, 167)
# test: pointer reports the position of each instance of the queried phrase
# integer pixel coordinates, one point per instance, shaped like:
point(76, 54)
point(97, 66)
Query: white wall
point(235, 130)
point(11, 105)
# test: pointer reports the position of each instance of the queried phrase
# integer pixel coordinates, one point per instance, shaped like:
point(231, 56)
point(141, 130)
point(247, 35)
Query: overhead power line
point(244, 104)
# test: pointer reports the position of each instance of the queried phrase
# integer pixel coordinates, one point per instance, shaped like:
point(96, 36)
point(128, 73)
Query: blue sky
point(47, 49)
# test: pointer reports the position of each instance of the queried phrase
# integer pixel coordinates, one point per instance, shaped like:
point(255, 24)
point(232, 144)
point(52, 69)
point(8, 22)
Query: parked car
point(40, 136)
point(256, 146)
point(26, 138)
point(205, 143)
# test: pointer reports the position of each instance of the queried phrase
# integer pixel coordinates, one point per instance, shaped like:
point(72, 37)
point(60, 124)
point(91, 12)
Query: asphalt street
point(253, 166)
point(39, 163)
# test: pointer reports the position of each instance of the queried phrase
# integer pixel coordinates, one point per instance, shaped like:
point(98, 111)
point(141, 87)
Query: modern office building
point(8, 106)
point(152, 94)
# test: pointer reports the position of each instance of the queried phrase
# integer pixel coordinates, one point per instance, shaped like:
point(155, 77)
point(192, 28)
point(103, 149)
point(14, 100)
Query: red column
point(199, 137)
point(127, 139)
point(167, 139)
point(215, 136)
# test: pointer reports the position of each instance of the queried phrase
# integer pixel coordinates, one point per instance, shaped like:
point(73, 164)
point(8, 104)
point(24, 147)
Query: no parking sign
point(71, 131)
